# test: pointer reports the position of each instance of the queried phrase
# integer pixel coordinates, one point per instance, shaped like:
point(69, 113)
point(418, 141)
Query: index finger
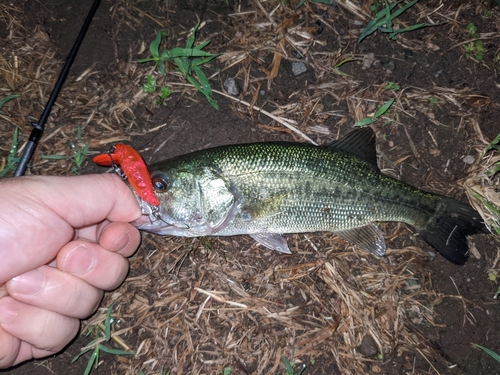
point(39, 215)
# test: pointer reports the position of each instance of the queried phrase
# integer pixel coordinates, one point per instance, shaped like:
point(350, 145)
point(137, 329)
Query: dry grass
point(199, 305)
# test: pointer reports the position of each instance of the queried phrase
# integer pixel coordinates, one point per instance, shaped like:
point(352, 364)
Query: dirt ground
point(200, 306)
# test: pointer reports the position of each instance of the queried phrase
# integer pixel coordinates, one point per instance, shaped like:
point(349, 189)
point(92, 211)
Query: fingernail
point(121, 242)
point(79, 261)
point(29, 283)
point(8, 311)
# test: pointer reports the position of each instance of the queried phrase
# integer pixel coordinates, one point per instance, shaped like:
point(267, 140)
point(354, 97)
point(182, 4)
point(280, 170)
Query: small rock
point(368, 346)
point(262, 92)
point(368, 60)
point(232, 87)
point(390, 65)
point(298, 68)
point(469, 159)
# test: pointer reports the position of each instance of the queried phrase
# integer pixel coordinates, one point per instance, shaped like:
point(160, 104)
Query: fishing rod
point(38, 127)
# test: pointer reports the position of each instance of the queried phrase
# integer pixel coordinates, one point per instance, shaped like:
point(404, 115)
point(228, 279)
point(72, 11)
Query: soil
point(430, 134)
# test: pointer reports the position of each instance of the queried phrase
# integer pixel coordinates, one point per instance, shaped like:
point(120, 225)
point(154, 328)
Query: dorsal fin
point(359, 143)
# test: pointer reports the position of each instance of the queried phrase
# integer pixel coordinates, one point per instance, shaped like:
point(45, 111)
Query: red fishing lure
point(134, 168)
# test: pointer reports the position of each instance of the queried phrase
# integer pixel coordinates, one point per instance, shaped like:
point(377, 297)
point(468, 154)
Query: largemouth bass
point(266, 190)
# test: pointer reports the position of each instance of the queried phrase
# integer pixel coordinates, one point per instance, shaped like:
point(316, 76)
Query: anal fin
point(272, 241)
point(368, 237)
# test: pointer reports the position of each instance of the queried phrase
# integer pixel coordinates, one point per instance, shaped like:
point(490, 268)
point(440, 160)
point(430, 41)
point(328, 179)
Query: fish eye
point(159, 184)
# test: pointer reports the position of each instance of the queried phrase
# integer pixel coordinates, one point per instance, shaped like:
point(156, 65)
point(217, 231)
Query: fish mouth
point(155, 220)
point(159, 224)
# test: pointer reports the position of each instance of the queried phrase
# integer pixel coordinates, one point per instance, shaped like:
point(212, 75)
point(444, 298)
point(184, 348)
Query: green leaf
point(187, 61)
point(150, 85)
point(493, 275)
point(165, 92)
point(190, 41)
point(200, 62)
point(205, 85)
point(365, 121)
point(202, 45)
point(471, 28)
point(392, 86)
point(490, 352)
point(188, 52)
point(154, 46)
point(384, 108)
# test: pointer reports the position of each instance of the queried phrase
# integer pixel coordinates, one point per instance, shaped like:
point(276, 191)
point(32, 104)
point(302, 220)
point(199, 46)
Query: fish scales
point(318, 188)
point(269, 189)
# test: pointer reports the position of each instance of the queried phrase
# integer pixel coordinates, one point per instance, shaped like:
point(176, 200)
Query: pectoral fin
point(368, 237)
point(272, 241)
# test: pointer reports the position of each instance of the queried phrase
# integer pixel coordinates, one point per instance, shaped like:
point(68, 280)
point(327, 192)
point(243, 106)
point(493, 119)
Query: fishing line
point(38, 127)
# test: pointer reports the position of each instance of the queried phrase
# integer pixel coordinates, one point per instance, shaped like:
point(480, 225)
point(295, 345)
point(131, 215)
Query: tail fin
point(447, 233)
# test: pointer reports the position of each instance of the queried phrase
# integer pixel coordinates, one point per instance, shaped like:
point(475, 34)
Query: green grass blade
point(6, 99)
point(154, 46)
point(491, 145)
point(55, 157)
point(377, 22)
point(393, 34)
point(200, 62)
point(383, 19)
point(490, 352)
point(387, 20)
point(94, 358)
point(190, 41)
point(165, 55)
point(300, 4)
point(288, 366)
point(115, 351)
point(370, 28)
point(205, 86)
point(149, 59)
point(11, 158)
point(403, 9)
point(80, 354)
point(107, 322)
point(188, 52)
point(365, 121)
point(183, 65)
point(202, 45)
point(384, 108)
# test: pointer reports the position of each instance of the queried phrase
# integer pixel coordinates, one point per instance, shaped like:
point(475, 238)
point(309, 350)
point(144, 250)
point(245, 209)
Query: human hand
point(79, 224)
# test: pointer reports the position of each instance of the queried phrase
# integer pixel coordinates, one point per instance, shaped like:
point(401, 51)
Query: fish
point(269, 189)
